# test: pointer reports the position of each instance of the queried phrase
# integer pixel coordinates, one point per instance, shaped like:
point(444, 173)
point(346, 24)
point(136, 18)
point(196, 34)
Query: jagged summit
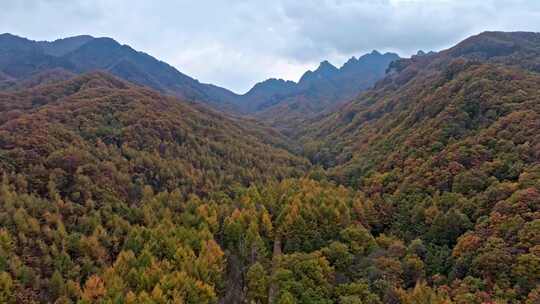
point(325, 70)
point(326, 66)
point(317, 89)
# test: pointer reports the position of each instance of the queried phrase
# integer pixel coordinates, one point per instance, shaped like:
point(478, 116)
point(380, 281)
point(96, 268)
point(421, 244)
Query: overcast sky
point(234, 43)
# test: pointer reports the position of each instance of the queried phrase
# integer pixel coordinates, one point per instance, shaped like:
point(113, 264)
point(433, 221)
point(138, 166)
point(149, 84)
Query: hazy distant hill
point(21, 58)
point(286, 105)
point(324, 86)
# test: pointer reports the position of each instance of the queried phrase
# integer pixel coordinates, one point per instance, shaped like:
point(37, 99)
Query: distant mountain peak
point(265, 90)
point(496, 44)
point(276, 80)
point(326, 66)
point(368, 61)
point(77, 37)
point(4, 35)
point(271, 82)
point(325, 70)
point(60, 47)
point(72, 38)
point(375, 55)
point(9, 35)
point(14, 42)
point(351, 60)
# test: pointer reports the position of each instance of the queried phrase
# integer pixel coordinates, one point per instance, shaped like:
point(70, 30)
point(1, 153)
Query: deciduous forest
point(420, 187)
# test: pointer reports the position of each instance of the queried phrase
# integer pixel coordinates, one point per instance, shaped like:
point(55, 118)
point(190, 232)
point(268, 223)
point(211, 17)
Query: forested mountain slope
point(446, 149)
point(140, 137)
point(453, 94)
point(425, 189)
point(82, 154)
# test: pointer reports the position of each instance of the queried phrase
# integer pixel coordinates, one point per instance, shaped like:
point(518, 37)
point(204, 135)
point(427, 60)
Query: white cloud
point(235, 43)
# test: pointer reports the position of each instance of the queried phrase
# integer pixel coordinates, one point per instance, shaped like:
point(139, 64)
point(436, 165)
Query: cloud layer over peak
point(236, 43)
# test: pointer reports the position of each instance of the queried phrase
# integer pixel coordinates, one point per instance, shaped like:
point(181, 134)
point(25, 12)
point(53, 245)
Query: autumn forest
point(387, 180)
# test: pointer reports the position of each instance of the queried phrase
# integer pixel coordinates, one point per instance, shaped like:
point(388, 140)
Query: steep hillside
point(86, 154)
point(79, 127)
point(446, 148)
point(48, 76)
point(420, 91)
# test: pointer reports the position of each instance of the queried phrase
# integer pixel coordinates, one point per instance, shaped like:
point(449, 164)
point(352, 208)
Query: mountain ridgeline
point(323, 86)
point(388, 180)
point(22, 59)
point(285, 104)
point(26, 61)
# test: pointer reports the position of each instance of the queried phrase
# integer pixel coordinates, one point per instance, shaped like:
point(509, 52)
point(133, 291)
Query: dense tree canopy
point(425, 189)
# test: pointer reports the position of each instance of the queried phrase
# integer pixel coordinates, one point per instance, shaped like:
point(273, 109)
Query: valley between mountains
point(386, 180)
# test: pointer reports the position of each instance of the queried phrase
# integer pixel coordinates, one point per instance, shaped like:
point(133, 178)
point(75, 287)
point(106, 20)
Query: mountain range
point(316, 91)
point(25, 60)
point(387, 180)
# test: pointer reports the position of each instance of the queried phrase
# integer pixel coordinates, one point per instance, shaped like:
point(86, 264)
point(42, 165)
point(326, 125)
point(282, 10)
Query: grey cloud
point(235, 43)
